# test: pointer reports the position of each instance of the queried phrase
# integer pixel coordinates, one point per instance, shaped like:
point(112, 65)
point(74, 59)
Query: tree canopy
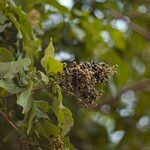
point(39, 109)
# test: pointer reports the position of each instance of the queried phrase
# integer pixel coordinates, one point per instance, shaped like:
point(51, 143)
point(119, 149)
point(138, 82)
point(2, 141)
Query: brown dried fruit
point(80, 81)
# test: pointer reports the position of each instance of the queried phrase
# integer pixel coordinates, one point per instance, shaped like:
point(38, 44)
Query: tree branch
point(136, 87)
point(33, 90)
point(135, 27)
point(8, 120)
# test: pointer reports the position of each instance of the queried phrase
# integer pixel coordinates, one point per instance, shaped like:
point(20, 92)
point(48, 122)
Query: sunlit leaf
point(51, 65)
point(49, 51)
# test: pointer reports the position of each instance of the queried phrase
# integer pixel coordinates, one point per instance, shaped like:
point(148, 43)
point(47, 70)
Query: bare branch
point(135, 27)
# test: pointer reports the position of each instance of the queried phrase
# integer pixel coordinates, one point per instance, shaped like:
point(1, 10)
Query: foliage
point(31, 105)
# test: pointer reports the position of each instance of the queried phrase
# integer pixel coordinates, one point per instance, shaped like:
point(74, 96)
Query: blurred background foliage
point(113, 31)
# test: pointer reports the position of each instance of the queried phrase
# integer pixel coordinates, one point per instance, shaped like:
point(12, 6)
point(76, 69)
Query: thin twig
point(8, 120)
point(43, 87)
point(136, 87)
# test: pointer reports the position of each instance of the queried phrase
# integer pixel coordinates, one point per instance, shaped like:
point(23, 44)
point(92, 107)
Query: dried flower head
point(56, 143)
point(80, 81)
point(28, 143)
point(34, 16)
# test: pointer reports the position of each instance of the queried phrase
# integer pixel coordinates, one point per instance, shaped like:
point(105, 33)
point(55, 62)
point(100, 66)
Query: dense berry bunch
point(80, 81)
point(102, 71)
point(56, 143)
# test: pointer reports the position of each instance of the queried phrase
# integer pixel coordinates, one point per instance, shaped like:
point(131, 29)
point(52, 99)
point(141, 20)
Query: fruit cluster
point(56, 143)
point(80, 81)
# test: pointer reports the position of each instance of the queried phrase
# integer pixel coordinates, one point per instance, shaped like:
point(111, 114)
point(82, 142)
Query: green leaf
point(23, 21)
point(44, 77)
point(5, 55)
point(49, 51)
point(59, 95)
point(15, 22)
point(25, 100)
point(65, 120)
point(10, 69)
point(57, 103)
point(2, 19)
point(44, 106)
point(51, 65)
point(40, 114)
point(45, 128)
point(10, 86)
point(29, 118)
point(41, 108)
